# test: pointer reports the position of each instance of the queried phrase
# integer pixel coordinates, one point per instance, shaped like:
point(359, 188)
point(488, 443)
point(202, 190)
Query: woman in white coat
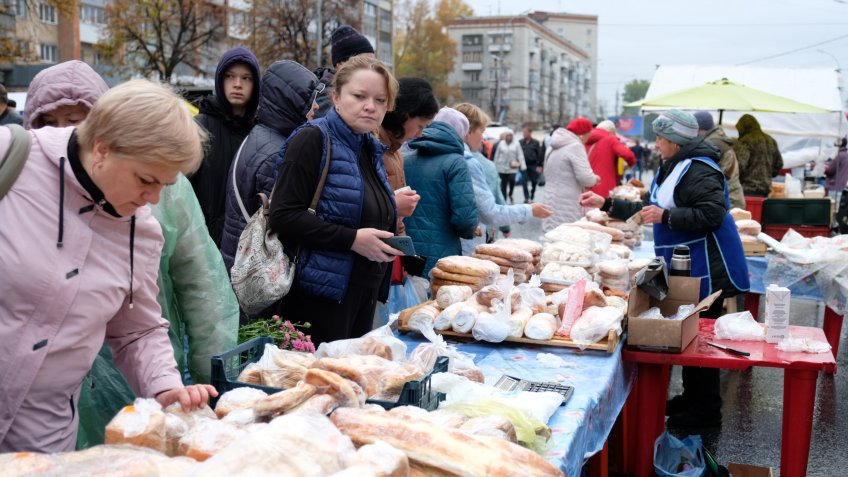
point(509, 159)
point(568, 173)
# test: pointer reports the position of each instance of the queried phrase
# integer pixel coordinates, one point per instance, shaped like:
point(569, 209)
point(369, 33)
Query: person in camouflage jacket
point(727, 162)
point(758, 157)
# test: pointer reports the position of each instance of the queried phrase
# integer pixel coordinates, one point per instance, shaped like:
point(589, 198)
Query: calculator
point(509, 383)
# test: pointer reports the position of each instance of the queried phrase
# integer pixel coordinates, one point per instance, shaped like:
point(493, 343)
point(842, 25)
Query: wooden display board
point(754, 249)
point(608, 344)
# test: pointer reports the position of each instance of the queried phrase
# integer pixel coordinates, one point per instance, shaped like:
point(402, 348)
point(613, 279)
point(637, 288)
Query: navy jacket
point(447, 211)
point(287, 89)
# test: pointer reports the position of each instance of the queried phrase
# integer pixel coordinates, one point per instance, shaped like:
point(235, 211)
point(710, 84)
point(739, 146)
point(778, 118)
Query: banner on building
point(629, 125)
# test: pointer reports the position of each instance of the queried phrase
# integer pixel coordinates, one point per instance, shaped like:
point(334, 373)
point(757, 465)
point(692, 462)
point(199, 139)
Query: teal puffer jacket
point(447, 211)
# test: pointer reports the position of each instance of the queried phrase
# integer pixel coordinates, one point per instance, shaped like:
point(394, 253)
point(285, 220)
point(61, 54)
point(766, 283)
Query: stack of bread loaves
point(535, 249)
point(508, 256)
point(458, 270)
point(748, 228)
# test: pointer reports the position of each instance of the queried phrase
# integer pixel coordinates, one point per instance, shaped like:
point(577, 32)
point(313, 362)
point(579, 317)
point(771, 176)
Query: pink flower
point(276, 317)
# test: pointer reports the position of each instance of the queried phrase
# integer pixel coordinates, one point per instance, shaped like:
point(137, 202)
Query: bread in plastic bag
point(236, 399)
point(541, 326)
point(493, 425)
point(461, 363)
point(739, 327)
point(141, 424)
point(111, 460)
point(377, 459)
point(299, 444)
point(209, 437)
point(464, 319)
point(282, 369)
point(805, 345)
point(379, 342)
point(489, 328)
point(450, 294)
point(595, 324)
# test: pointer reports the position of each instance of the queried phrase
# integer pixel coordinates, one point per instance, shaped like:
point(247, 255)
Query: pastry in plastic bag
point(468, 266)
point(348, 393)
point(541, 326)
point(595, 324)
point(490, 328)
point(283, 401)
point(748, 227)
point(493, 426)
point(464, 319)
point(140, 424)
point(208, 438)
point(366, 371)
point(518, 320)
point(377, 459)
point(236, 399)
point(448, 295)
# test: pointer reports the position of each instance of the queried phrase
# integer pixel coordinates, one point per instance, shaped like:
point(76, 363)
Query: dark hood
point(698, 147)
point(747, 124)
point(325, 75)
point(287, 92)
point(237, 55)
point(210, 106)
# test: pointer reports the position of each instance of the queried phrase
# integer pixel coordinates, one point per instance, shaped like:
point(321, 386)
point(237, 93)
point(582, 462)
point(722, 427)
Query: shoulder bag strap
point(235, 182)
point(323, 180)
point(15, 158)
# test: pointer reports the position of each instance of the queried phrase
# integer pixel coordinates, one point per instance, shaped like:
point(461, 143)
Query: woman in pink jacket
point(80, 251)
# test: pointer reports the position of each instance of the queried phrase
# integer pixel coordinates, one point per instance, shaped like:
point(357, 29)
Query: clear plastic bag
point(676, 458)
point(379, 342)
point(682, 312)
point(739, 327)
point(651, 313)
point(595, 325)
point(803, 345)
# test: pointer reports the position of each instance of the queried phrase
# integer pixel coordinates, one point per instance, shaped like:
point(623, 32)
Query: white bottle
point(777, 313)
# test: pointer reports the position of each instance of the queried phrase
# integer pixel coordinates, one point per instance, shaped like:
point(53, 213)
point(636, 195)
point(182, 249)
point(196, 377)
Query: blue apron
point(727, 236)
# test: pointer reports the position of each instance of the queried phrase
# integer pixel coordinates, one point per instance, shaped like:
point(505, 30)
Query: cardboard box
point(745, 470)
point(666, 335)
point(754, 249)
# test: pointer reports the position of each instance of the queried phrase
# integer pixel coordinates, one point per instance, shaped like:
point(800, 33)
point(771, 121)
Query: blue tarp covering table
point(601, 384)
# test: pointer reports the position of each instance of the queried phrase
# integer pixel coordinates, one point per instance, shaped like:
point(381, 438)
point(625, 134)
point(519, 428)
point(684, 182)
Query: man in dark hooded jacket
point(758, 157)
point(227, 116)
point(286, 101)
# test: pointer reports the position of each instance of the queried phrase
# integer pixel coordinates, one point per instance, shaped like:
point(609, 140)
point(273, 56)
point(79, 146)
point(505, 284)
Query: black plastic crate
point(814, 212)
point(227, 366)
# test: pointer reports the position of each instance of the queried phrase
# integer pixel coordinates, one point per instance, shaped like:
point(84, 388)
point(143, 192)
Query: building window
point(386, 52)
point(92, 14)
point(471, 56)
point(21, 8)
point(474, 76)
point(472, 40)
point(49, 53)
point(47, 13)
point(370, 10)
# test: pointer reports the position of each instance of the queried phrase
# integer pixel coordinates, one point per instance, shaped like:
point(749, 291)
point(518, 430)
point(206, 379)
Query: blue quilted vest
point(324, 273)
point(727, 237)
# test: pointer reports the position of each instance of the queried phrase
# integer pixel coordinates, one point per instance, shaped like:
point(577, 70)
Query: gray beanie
point(677, 126)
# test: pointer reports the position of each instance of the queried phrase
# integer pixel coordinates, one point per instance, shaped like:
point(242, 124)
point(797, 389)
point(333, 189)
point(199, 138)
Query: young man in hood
point(227, 116)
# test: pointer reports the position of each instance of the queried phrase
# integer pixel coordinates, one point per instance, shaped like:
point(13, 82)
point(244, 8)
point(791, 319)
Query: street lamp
point(496, 100)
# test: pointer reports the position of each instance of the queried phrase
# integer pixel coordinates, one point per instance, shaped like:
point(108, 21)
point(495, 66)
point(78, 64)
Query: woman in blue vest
point(342, 263)
point(688, 204)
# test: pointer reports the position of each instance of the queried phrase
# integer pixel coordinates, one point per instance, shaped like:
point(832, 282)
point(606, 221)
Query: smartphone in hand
point(402, 243)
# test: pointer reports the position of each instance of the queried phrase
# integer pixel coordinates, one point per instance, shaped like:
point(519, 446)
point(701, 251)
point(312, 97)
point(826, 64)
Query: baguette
point(451, 451)
point(467, 266)
point(460, 277)
point(504, 251)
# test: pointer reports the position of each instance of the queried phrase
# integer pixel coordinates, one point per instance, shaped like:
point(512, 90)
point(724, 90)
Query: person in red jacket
point(604, 149)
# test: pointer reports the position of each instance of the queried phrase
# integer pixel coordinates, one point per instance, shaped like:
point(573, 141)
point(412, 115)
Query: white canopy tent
point(802, 137)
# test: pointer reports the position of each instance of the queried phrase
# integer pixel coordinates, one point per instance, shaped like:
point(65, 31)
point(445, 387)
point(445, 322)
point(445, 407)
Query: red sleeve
point(623, 151)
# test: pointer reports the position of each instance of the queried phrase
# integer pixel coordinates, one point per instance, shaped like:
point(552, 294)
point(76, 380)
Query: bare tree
point(155, 36)
point(12, 48)
point(285, 29)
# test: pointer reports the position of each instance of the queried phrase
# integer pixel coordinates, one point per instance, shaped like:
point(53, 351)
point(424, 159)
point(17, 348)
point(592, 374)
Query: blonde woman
point(80, 264)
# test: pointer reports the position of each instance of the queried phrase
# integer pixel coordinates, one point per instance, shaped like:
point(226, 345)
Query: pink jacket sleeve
point(139, 338)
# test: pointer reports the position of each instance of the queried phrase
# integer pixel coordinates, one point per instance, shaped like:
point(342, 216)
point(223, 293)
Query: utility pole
point(319, 33)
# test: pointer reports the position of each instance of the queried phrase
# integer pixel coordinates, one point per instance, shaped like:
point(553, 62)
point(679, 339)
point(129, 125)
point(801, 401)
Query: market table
point(601, 384)
point(805, 289)
point(799, 391)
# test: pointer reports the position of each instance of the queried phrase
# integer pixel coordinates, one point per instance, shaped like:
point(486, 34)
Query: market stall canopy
point(801, 136)
point(724, 95)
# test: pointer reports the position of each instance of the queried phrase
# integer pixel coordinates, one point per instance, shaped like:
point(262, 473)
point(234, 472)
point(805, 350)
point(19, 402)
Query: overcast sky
point(635, 36)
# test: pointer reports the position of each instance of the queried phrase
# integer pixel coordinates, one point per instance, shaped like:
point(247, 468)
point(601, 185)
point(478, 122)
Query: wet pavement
point(753, 400)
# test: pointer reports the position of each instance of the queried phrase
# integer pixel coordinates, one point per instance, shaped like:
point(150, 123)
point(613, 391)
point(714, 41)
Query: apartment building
point(526, 69)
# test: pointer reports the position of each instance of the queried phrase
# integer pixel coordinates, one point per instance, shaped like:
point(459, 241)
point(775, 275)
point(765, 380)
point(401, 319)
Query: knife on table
point(729, 350)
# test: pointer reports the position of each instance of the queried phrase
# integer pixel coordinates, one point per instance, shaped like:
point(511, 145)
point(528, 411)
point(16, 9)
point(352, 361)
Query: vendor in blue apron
point(688, 204)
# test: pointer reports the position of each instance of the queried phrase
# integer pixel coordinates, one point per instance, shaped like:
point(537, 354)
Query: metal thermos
point(681, 263)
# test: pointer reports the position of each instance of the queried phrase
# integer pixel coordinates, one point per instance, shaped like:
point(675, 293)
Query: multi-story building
point(526, 69)
point(49, 36)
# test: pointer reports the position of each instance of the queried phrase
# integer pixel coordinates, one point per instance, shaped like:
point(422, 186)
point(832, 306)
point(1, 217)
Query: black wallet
point(413, 264)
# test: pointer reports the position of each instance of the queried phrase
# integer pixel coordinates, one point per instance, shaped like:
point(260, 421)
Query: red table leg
point(598, 465)
point(799, 397)
point(752, 304)
point(832, 327)
point(651, 394)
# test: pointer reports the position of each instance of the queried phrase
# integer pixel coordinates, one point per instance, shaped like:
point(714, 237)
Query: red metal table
point(800, 371)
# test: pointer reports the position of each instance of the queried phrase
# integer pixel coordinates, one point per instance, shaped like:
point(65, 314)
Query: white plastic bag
point(739, 327)
point(804, 345)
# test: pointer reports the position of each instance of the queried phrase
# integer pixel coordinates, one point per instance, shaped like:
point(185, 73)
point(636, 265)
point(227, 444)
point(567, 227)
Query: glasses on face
point(318, 90)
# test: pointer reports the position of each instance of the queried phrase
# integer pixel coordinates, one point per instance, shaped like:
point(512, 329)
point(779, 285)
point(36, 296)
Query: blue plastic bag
point(676, 458)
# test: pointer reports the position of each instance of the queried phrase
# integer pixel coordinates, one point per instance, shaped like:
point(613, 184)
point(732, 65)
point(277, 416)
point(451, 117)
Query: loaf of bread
point(448, 295)
point(251, 374)
point(567, 273)
point(541, 326)
point(348, 393)
point(317, 404)
point(489, 293)
point(238, 398)
point(283, 401)
point(208, 438)
point(502, 262)
point(740, 214)
point(518, 320)
point(749, 227)
point(366, 371)
point(531, 246)
point(617, 235)
point(450, 451)
point(423, 317)
point(467, 266)
point(140, 424)
point(553, 287)
point(513, 254)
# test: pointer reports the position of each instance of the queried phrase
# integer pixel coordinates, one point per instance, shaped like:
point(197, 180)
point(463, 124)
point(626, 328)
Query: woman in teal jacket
point(447, 211)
